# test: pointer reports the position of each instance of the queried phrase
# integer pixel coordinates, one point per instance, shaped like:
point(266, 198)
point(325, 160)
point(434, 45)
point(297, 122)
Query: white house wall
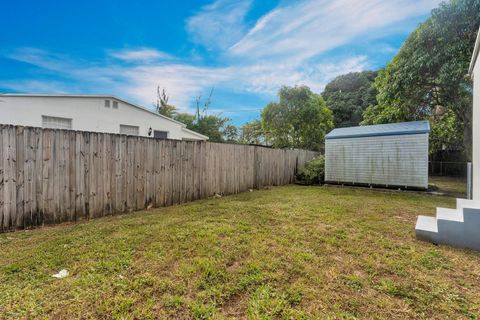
point(87, 114)
point(476, 131)
point(396, 160)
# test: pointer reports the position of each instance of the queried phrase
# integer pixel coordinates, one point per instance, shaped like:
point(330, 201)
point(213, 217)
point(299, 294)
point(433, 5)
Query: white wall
point(87, 114)
point(397, 160)
point(476, 131)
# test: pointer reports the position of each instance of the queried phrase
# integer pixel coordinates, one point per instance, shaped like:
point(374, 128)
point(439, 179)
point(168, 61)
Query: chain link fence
point(447, 168)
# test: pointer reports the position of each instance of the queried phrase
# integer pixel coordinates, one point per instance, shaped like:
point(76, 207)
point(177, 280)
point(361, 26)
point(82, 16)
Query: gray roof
point(390, 129)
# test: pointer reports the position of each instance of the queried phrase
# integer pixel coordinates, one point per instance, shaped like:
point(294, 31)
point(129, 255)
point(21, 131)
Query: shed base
point(382, 186)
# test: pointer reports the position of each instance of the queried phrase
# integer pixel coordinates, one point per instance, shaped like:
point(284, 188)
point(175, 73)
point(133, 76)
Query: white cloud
point(268, 78)
point(182, 81)
point(137, 82)
point(285, 47)
point(40, 58)
point(220, 24)
point(35, 86)
point(308, 28)
point(140, 55)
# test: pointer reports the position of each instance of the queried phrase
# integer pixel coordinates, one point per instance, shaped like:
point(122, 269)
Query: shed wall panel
point(396, 160)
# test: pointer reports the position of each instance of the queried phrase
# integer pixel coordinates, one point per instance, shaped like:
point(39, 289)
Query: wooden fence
point(51, 176)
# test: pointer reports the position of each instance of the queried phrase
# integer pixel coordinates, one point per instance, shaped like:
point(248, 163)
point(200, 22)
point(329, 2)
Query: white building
point(394, 154)
point(474, 72)
point(460, 227)
point(97, 113)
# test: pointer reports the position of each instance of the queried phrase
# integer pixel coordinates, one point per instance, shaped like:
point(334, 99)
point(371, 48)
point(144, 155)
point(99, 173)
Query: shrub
point(313, 172)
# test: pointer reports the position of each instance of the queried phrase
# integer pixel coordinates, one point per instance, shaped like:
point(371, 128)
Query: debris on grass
point(62, 274)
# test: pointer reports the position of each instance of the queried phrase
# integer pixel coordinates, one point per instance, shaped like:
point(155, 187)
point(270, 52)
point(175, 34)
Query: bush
point(313, 172)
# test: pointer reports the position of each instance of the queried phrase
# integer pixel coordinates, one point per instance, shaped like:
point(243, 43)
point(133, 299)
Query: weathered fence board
point(52, 176)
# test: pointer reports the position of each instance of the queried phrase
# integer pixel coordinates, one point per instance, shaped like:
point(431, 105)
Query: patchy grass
point(288, 252)
point(454, 186)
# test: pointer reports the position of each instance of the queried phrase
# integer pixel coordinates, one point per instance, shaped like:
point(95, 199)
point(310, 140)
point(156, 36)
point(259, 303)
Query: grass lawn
point(288, 252)
point(454, 186)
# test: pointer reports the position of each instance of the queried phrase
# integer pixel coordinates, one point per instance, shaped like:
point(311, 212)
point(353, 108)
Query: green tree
point(162, 107)
point(216, 127)
point(299, 120)
point(230, 133)
point(212, 126)
point(252, 133)
point(186, 118)
point(446, 133)
point(428, 79)
point(349, 95)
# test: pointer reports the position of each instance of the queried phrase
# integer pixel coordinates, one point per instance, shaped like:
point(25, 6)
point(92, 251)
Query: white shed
point(380, 155)
point(97, 113)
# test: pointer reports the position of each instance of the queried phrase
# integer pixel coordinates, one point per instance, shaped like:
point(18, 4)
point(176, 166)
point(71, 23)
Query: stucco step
point(466, 203)
point(427, 223)
point(451, 227)
point(426, 229)
point(455, 227)
point(449, 214)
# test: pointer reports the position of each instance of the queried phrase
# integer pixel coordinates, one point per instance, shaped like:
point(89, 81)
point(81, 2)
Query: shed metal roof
point(390, 129)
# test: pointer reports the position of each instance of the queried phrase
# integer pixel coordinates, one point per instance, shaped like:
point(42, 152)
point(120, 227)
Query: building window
point(129, 130)
point(160, 134)
point(107, 103)
point(115, 104)
point(56, 122)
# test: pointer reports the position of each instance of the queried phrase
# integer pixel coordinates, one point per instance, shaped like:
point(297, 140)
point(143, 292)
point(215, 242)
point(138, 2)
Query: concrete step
point(455, 227)
point(451, 227)
point(426, 229)
point(466, 203)
point(471, 217)
point(450, 214)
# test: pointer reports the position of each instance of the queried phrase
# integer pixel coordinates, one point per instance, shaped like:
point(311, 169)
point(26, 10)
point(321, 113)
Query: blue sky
point(245, 50)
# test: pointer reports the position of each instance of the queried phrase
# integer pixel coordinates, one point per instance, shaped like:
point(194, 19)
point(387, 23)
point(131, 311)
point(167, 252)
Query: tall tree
point(230, 133)
point(162, 107)
point(349, 95)
point(216, 127)
point(427, 78)
point(299, 120)
point(252, 133)
point(186, 118)
point(212, 126)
